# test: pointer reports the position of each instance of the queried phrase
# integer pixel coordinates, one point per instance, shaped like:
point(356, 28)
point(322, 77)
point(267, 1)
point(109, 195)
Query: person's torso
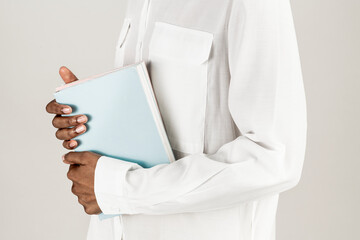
point(184, 44)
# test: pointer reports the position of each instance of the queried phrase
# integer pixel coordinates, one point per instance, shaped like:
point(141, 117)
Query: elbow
point(293, 181)
point(291, 178)
point(291, 165)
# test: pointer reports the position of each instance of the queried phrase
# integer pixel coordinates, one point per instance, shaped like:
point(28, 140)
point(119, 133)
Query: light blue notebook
point(124, 119)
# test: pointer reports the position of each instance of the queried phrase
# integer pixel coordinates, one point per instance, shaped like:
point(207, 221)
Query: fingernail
point(72, 144)
point(81, 119)
point(63, 157)
point(80, 129)
point(66, 110)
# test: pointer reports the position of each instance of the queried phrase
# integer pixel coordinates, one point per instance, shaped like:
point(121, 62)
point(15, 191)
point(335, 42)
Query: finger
point(66, 75)
point(56, 108)
point(70, 133)
point(71, 174)
point(81, 201)
point(75, 158)
point(90, 209)
point(76, 189)
point(65, 122)
point(72, 144)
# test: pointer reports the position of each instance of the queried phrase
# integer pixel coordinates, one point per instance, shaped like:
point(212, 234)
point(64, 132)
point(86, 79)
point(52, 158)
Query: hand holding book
point(121, 114)
point(68, 127)
point(82, 164)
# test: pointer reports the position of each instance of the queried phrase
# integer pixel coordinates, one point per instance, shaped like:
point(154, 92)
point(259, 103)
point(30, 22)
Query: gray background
point(37, 37)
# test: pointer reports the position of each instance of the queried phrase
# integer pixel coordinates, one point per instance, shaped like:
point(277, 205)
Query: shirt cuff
point(110, 175)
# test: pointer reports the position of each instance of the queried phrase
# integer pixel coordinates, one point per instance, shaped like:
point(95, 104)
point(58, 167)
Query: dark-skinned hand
point(81, 173)
point(81, 164)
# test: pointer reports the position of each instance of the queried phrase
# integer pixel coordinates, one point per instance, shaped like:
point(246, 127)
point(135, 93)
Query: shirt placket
point(144, 19)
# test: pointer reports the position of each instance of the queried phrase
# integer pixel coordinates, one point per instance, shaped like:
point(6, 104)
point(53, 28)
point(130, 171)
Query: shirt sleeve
point(267, 103)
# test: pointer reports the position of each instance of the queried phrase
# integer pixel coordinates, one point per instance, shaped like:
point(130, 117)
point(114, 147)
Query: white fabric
point(227, 78)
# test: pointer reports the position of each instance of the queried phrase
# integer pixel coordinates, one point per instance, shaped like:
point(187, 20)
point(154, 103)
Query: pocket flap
point(181, 44)
point(123, 33)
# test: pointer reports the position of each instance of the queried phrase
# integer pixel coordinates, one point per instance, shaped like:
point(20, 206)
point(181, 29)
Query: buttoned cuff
point(110, 176)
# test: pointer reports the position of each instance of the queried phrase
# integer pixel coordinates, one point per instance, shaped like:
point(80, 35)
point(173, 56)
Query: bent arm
point(267, 104)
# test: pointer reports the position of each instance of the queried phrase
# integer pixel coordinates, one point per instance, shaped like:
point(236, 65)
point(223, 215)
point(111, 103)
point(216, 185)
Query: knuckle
point(48, 106)
point(85, 155)
point(81, 201)
point(66, 134)
point(88, 210)
point(82, 155)
point(71, 121)
point(70, 176)
point(58, 134)
point(87, 199)
point(74, 189)
point(55, 121)
point(71, 133)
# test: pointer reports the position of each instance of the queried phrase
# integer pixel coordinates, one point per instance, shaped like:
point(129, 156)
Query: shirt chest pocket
point(178, 65)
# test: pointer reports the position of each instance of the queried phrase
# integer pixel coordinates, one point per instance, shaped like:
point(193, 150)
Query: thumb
point(74, 158)
point(66, 75)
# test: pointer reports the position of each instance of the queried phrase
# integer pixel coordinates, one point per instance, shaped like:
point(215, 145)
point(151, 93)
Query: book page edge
point(145, 81)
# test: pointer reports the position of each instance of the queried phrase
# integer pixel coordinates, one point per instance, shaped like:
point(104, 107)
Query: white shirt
point(227, 78)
